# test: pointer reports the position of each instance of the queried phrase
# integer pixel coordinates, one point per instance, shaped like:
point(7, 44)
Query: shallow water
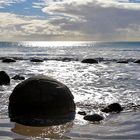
point(93, 86)
point(116, 126)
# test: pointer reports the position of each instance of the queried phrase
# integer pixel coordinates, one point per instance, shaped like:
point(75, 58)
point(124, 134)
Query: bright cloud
point(13, 27)
point(96, 19)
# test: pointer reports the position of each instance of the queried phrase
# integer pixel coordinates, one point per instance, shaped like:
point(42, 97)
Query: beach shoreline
point(115, 126)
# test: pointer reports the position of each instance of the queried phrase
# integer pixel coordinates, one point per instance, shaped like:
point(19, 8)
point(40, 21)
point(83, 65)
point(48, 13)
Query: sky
point(69, 20)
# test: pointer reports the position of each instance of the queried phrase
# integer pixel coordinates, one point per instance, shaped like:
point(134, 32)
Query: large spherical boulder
point(4, 78)
point(41, 100)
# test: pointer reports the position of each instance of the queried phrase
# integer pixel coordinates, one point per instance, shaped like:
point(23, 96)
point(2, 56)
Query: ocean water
point(93, 86)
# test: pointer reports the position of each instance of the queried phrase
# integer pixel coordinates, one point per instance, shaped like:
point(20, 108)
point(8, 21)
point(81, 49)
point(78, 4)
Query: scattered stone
point(137, 61)
point(18, 77)
point(94, 118)
point(90, 61)
point(41, 100)
point(36, 60)
point(4, 78)
point(8, 60)
point(122, 61)
point(115, 107)
point(82, 113)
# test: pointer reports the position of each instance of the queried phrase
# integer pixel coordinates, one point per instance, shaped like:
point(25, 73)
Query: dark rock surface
point(4, 78)
point(18, 77)
point(8, 60)
point(41, 98)
point(94, 118)
point(82, 113)
point(36, 60)
point(90, 61)
point(114, 107)
point(123, 61)
point(137, 61)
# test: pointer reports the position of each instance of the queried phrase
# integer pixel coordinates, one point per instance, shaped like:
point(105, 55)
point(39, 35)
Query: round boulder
point(114, 107)
point(82, 113)
point(4, 78)
point(41, 100)
point(36, 60)
point(90, 61)
point(94, 118)
point(137, 61)
point(123, 61)
point(8, 60)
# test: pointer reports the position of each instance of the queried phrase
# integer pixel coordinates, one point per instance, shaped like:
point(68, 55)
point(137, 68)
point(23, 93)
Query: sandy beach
point(116, 126)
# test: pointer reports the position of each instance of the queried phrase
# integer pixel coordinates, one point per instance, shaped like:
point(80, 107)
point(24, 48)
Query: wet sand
point(125, 125)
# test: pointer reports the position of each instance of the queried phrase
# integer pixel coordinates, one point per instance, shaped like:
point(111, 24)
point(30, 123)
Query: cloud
point(9, 2)
point(131, 30)
point(74, 20)
point(95, 19)
point(13, 27)
point(42, 3)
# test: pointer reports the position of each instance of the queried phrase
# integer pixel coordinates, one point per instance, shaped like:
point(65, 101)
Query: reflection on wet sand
point(56, 132)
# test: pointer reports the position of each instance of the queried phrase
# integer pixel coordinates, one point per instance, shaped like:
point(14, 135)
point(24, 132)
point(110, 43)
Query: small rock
point(90, 61)
point(18, 77)
point(36, 60)
point(82, 113)
point(122, 61)
point(94, 118)
point(8, 60)
point(4, 78)
point(115, 107)
point(137, 61)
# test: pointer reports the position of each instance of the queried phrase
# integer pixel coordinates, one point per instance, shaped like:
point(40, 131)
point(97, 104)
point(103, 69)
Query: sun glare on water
point(55, 43)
